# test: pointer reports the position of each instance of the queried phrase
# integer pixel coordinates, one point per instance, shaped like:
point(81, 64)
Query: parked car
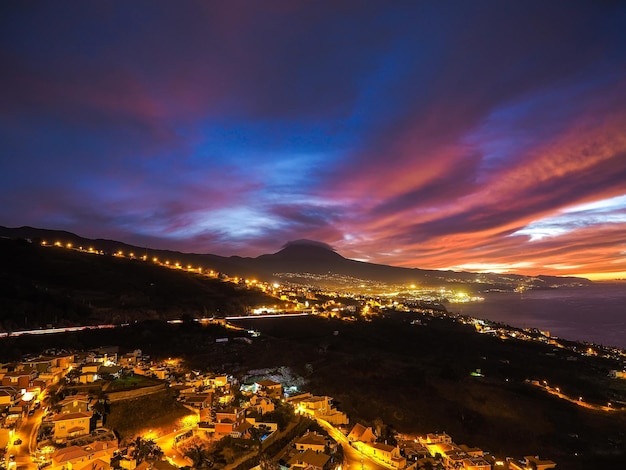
point(17, 442)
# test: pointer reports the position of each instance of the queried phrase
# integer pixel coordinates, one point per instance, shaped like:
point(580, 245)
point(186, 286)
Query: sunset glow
point(483, 137)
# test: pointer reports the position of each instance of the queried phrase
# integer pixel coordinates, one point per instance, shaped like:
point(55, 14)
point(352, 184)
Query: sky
point(480, 136)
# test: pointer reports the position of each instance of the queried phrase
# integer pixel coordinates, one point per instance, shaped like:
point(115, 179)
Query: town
point(56, 409)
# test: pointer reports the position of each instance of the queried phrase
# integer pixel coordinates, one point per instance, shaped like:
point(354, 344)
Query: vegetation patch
point(131, 417)
point(131, 382)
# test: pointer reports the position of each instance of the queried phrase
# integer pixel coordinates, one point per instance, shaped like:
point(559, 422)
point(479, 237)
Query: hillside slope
point(49, 285)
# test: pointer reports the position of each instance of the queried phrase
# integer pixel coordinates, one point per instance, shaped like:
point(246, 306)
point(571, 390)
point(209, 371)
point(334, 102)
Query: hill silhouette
point(299, 256)
point(303, 256)
point(49, 285)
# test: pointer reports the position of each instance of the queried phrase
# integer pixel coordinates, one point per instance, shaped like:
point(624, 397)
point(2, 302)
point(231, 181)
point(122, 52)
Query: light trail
point(46, 331)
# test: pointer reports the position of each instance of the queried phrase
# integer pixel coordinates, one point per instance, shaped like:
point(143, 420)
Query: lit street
point(168, 446)
point(352, 458)
point(578, 400)
point(26, 432)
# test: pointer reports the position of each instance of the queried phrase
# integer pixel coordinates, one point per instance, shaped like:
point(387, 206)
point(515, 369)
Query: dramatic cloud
point(466, 135)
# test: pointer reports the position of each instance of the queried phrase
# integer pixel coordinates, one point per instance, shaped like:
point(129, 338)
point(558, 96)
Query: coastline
point(590, 314)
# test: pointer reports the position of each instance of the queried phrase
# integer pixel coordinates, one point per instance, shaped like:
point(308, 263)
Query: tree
point(199, 454)
point(146, 449)
point(102, 405)
point(378, 426)
point(256, 435)
point(427, 465)
point(267, 464)
point(281, 415)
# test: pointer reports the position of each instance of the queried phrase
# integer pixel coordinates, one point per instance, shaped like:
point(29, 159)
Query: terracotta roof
point(19, 373)
point(476, 461)
point(69, 453)
point(143, 466)
point(76, 452)
point(72, 398)
point(163, 465)
point(78, 396)
point(538, 461)
point(312, 438)
point(357, 431)
point(314, 399)
point(103, 445)
point(267, 383)
point(97, 464)
point(383, 447)
point(317, 459)
point(243, 427)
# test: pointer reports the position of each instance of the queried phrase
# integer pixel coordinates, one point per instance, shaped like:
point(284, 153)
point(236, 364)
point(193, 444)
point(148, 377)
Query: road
point(352, 458)
point(168, 446)
point(577, 401)
point(48, 331)
point(27, 433)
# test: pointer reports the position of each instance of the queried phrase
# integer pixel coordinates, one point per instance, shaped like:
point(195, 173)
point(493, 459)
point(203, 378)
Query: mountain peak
point(303, 256)
point(303, 242)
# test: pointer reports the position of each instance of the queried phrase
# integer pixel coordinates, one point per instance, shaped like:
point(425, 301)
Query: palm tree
point(145, 448)
point(102, 404)
point(199, 455)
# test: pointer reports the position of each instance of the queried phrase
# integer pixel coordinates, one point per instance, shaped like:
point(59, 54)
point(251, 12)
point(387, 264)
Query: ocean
point(595, 314)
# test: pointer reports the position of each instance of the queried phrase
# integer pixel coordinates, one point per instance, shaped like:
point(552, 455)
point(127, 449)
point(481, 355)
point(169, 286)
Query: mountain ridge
point(302, 256)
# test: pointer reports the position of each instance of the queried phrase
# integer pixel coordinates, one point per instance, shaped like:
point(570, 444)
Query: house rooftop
point(537, 461)
point(69, 453)
point(97, 464)
point(314, 399)
point(143, 466)
point(476, 461)
point(163, 465)
point(470, 450)
point(20, 373)
point(73, 398)
point(383, 447)
point(231, 410)
point(316, 459)
point(357, 431)
point(312, 438)
point(267, 383)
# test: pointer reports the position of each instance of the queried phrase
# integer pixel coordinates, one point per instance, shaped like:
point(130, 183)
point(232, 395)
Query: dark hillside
point(50, 285)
